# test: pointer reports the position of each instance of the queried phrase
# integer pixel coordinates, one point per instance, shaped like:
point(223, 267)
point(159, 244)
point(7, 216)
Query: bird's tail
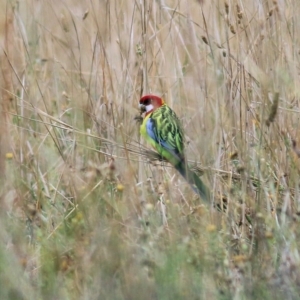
point(193, 179)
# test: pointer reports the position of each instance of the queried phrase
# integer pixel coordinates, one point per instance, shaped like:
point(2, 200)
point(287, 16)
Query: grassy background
point(84, 214)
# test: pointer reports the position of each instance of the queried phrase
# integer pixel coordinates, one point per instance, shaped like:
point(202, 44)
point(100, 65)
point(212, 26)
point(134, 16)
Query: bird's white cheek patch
point(149, 107)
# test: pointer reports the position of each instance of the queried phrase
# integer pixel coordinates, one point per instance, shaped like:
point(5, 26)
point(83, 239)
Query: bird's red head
point(149, 103)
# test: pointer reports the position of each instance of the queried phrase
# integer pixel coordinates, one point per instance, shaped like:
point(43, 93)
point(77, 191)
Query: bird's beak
point(142, 108)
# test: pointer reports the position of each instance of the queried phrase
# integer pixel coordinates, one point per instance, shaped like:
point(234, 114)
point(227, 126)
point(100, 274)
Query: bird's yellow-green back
point(162, 129)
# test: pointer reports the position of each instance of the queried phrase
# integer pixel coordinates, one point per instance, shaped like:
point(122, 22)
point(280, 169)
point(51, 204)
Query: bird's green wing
point(163, 126)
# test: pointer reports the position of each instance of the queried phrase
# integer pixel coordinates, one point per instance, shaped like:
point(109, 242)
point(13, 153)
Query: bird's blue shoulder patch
point(151, 130)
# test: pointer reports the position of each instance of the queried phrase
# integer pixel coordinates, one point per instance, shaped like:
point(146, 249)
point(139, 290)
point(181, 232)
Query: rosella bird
point(162, 129)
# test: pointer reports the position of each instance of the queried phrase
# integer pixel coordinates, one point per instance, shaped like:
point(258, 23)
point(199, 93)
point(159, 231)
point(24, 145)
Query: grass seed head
point(226, 7)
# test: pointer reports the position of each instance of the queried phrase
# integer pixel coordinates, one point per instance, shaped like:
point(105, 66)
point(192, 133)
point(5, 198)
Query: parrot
point(162, 129)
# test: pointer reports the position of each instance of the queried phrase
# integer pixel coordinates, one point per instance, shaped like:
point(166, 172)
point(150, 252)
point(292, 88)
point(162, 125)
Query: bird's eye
point(146, 102)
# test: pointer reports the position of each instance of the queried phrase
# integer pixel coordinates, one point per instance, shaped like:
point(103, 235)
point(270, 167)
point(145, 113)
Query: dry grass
point(84, 214)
